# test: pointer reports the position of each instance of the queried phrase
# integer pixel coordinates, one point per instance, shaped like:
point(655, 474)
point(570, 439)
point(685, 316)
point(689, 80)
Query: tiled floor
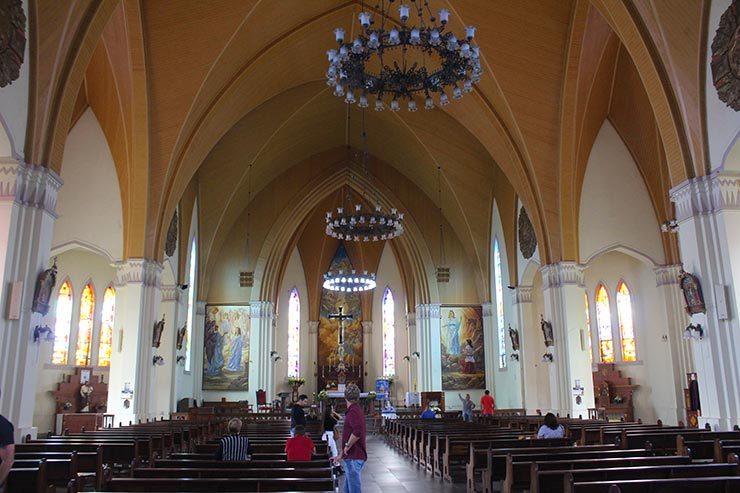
point(387, 471)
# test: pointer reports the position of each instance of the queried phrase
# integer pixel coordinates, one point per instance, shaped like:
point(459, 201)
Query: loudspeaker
point(14, 306)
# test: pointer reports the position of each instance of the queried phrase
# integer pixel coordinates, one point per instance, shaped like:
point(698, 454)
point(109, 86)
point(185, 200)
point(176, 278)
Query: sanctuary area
point(391, 245)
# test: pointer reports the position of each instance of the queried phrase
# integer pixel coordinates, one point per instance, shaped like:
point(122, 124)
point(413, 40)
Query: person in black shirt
point(331, 418)
point(234, 447)
point(297, 416)
point(7, 450)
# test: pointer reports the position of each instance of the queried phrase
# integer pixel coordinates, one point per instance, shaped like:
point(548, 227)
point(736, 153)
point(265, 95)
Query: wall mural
point(329, 328)
point(226, 348)
point(463, 361)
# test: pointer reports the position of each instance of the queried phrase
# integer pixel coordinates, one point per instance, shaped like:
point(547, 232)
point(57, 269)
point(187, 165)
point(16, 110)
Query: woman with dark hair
point(551, 428)
point(331, 418)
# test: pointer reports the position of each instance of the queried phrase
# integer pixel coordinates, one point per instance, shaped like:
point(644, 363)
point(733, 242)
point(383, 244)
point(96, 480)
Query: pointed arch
point(389, 333)
point(626, 322)
point(604, 324)
point(294, 334)
point(105, 346)
point(85, 325)
point(62, 324)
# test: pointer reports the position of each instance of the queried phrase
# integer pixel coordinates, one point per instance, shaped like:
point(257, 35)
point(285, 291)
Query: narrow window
point(106, 327)
point(626, 326)
point(191, 305)
point(499, 305)
point(294, 334)
point(62, 325)
point(604, 322)
point(389, 334)
point(85, 327)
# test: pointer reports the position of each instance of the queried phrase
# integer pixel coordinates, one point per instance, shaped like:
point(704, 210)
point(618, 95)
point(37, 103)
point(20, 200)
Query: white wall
point(185, 381)
point(723, 123)
point(14, 107)
point(89, 203)
point(79, 266)
point(534, 346)
point(615, 206)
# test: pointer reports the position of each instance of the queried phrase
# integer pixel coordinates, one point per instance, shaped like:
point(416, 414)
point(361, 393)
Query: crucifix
point(340, 349)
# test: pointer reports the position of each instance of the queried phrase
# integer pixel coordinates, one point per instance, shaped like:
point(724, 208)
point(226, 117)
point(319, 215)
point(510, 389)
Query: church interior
point(211, 207)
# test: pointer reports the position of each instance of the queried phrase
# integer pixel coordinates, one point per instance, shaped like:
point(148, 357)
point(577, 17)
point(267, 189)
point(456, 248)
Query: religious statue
point(514, 336)
point(85, 392)
point(181, 334)
point(692, 293)
point(44, 287)
point(157, 335)
point(547, 332)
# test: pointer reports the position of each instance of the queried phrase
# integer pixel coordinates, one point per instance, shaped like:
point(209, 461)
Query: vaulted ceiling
point(220, 98)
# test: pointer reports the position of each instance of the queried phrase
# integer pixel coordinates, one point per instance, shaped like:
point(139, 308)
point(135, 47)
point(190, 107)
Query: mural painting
point(463, 361)
point(226, 348)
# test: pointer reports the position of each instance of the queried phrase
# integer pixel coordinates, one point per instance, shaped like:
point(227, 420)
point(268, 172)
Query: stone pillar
point(667, 281)
point(563, 295)
point(28, 197)
point(368, 362)
point(313, 355)
point(491, 351)
point(528, 355)
point(428, 326)
point(412, 368)
point(138, 299)
point(198, 333)
point(164, 376)
point(708, 214)
point(262, 332)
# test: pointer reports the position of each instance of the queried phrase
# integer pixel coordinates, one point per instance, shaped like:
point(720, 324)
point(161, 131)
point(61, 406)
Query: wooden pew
point(31, 479)
point(674, 485)
point(81, 463)
point(219, 484)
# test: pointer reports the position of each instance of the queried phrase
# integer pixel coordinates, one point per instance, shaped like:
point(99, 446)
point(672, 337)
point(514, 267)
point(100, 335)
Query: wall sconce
point(157, 360)
point(414, 355)
point(547, 358)
point(670, 226)
point(43, 331)
point(515, 356)
point(693, 332)
point(275, 356)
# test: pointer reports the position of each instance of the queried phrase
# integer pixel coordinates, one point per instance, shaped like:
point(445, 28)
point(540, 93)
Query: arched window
point(588, 328)
point(85, 327)
point(389, 334)
point(294, 334)
point(62, 325)
point(191, 304)
point(499, 305)
point(626, 327)
point(106, 327)
point(604, 322)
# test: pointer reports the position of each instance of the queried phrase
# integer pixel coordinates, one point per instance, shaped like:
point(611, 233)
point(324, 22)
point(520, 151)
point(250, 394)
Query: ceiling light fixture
point(396, 63)
point(351, 282)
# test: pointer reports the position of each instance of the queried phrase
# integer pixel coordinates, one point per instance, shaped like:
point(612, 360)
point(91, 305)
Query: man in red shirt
point(300, 447)
point(353, 450)
point(487, 404)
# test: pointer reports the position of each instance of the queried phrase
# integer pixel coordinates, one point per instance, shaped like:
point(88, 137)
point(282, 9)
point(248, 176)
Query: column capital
point(522, 294)
point(367, 326)
point(261, 309)
point(429, 311)
point(562, 274)
point(26, 184)
point(138, 271)
point(487, 309)
point(313, 326)
point(707, 194)
point(667, 274)
point(170, 292)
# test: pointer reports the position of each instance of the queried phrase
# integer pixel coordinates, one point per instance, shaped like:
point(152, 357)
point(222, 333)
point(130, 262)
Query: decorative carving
point(527, 238)
point(726, 57)
point(12, 40)
point(171, 243)
point(514, 336)
point(139, 271)
point(547, 332)
point(707, 194)
point(692, 293)
point(562, 274)
point(44, 286)
point(523, 294)
point(157, 335)
point(667, 274)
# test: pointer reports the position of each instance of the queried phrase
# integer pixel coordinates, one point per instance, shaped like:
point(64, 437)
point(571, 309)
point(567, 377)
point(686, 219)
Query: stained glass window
point(626, 327)
point(499, 305)
point(294, 334)
point(62, 325)
point(588, 329)
point(85, 327)
point(191, 305)
point(389, 334)
point(106, 327)
point(604, 322)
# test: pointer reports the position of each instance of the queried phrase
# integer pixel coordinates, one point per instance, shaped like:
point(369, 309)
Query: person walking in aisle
point(353, 450)
point(297, 416)
point(487, 404)
point(468, 405)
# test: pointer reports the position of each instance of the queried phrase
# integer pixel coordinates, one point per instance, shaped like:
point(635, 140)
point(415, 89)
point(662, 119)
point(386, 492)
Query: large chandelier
point(400, 62)
point(349, 282)
point(364, 226)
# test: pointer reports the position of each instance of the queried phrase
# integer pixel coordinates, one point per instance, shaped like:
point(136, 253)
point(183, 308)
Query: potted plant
point(295, 383)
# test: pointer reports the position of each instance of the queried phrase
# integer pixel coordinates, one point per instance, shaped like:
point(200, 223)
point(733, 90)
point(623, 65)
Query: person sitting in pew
point(551, 428)
point(7, 450)
point(234, 447)
point(300, 447)
point(428, 413)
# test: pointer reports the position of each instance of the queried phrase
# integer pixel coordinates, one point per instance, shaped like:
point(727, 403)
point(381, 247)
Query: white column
point(367, 350)
point(528, 349)
point(563, 293)
point(412, 366)
point(164, 376)
point(428, 326)
point(491, 349)
point(198, 333)
point(313, 355)
point(27, 213)
point(262, 323)
point(708, 213)
point(138, 300)
point(667, 280)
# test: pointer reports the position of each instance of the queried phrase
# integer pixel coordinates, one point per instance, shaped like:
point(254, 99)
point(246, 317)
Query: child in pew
point(551, 428)
point(300, 447)
point(234, 447)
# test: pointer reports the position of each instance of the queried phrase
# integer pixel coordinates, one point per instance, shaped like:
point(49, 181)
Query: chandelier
point(364, 226)
point(404, 61)
point(349, 282)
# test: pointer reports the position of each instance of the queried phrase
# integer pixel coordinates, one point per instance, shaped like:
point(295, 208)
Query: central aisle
point(387, 471)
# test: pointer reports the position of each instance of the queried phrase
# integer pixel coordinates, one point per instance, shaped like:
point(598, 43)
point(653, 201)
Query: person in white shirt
point(551, 428)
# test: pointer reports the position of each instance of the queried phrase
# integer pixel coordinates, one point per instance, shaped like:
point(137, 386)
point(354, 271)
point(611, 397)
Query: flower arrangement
point(296, 381)
point(322, 396)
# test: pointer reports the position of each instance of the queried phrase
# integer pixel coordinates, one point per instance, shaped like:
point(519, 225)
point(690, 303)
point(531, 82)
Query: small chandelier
point(349, 282)
point(393, 61)
point(364, 226)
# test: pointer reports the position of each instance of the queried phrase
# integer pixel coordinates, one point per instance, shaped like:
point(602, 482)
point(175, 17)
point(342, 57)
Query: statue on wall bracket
point(692, 293)
point(514, 336)
point(157, 335)
point(547, 332)
point(44, 287)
